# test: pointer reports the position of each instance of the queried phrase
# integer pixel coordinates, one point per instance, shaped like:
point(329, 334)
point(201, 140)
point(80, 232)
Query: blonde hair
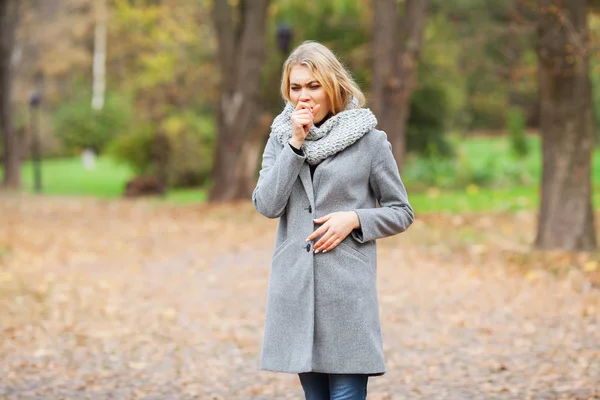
point(329, 71)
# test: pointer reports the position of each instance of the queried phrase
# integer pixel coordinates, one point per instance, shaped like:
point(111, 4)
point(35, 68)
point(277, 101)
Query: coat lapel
point(307, 183)
point(316, 180)
point(311, 184)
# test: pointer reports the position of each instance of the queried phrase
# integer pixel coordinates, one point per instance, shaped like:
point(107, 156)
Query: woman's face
point(306, 88)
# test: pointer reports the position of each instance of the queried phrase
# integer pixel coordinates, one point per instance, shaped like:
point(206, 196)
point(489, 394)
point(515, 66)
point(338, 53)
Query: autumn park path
point(140, 300)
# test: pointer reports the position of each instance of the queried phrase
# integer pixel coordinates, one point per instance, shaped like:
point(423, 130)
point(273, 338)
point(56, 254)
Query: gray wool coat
point(322, 312)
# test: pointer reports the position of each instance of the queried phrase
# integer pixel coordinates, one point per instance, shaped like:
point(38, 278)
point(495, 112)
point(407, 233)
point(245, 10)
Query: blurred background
point(175, 98)
point(134, 266)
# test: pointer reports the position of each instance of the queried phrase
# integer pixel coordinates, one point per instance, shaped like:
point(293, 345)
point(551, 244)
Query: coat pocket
point(353, 252)
point(279, 248)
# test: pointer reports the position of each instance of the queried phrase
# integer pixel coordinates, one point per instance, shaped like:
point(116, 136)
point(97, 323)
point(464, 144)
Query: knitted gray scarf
point(333, 136)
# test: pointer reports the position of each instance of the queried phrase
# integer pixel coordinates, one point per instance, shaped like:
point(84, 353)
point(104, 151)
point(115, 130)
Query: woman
point(325, 167)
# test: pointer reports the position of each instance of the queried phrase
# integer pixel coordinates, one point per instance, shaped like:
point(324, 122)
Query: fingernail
point(307, 239)
point(324, 251)
point(316, 251)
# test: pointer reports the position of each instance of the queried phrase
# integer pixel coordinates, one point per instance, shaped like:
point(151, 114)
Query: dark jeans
point(319, 386)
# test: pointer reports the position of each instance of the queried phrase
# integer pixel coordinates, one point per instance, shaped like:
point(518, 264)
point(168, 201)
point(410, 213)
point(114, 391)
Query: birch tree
point(99, 63)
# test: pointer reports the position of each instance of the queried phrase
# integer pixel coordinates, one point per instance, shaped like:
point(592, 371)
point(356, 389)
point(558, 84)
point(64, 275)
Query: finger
point(302, 105)
point(302, 121)
point(306, 128)
point(303, 118)
point(321, 242)
point(318, 232)
point(307, 115)
point(331, 244)
point(316, 109)
point(304, 111)
point(325, 241)
point(321, 230)
point(322, 219)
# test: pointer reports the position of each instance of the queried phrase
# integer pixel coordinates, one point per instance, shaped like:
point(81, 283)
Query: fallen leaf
point(590, 266)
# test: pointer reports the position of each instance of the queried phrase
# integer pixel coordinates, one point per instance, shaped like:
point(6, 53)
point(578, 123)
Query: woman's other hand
point(336, 226)
point(302, 120)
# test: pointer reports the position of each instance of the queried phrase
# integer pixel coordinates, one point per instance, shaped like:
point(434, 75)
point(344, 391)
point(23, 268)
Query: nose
point(304, 95)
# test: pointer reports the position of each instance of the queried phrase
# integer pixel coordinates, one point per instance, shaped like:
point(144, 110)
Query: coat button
point(309, 208)
point(308, 247)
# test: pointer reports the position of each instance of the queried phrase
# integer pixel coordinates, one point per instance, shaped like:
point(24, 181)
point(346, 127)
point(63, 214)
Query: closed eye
point(296, 88)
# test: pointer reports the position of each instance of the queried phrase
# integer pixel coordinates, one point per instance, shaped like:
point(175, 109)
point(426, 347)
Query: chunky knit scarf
point(333, 136)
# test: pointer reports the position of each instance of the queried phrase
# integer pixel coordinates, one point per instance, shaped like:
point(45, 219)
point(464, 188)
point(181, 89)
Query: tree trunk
point(9, 15)
point(396, 47)
point(99, 64)
point(566, 219)
point(241, 57)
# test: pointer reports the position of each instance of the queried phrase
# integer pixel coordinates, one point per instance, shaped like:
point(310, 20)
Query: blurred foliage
point(478, 61)
point(437, 105)
point(479, 162)
point(429, 116)
point(516, 131)
point(78, 126)
point(54, 43)
point(441, 68)
point(135, 150)
point(497, 56)
point(164, 55)
point(190, 139)
point(460, 172)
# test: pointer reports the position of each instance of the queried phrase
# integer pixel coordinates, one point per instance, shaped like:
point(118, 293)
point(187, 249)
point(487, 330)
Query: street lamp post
point(284, 37)
point(34, 114)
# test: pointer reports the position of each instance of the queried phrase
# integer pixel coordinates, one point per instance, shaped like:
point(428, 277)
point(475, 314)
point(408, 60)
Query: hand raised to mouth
point(302, 119)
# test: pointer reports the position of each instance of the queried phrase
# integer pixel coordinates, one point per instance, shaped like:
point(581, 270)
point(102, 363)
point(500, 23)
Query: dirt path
point(136, 300)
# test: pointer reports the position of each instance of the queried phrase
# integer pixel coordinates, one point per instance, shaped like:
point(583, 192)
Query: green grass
point(475, 200)
point(187, 196)
point(481, 149)
point(67, 177)
point(438, 188)
point(511, 199)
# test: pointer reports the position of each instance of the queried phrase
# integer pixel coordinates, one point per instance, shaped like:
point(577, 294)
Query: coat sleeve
point(276, 178)
point(395, 214)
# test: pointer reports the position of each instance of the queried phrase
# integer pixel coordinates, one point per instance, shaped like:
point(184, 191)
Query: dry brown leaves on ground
point(140, 300)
